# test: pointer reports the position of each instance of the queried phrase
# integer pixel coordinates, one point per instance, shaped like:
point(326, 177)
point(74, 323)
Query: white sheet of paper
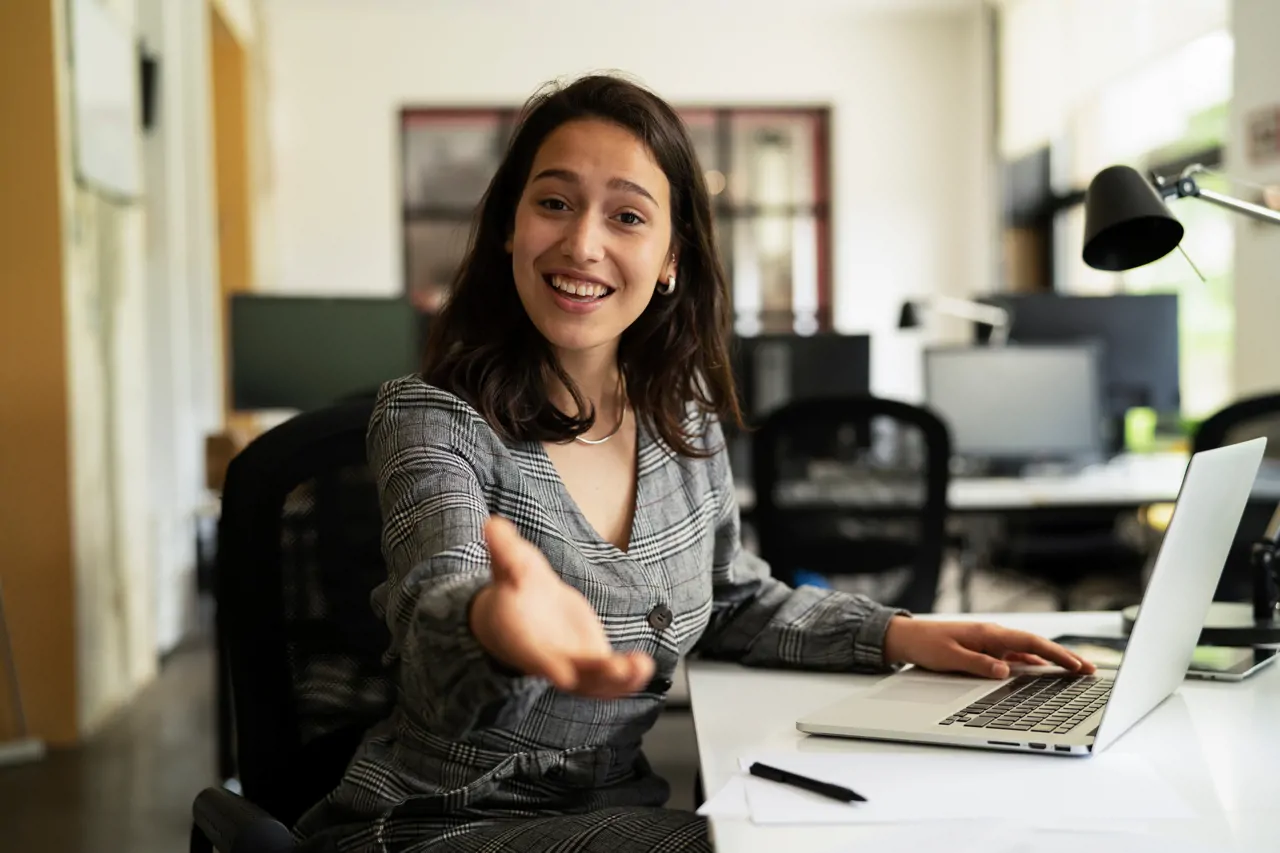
point(729, 801)
point(1029, 790)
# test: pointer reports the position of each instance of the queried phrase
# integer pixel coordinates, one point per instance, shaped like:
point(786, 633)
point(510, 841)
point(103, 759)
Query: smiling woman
point(545, 574)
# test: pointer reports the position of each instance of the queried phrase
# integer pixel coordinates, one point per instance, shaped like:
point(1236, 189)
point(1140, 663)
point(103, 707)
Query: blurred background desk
point(983, 510)
point(1216, 743)
point(1127, 481)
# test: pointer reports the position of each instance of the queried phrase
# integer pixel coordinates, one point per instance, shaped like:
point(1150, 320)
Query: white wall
point(1058, 53)
point(143, 382)
point(1255, 24)
point(183, 378)
point(107, 355)
point(913, 206)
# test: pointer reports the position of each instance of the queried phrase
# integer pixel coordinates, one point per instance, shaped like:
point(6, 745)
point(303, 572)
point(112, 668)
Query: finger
point(558, 669)
point(607, 678)
point(642, 669)
point(1022, 641)
point(976, 663)
point(615, 675)
point(1025, 657)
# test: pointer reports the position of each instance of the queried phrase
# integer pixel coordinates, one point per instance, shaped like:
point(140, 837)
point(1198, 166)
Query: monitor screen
point(1017, 402)
point(303, 352)
point(773, 370)
point(1137, 334)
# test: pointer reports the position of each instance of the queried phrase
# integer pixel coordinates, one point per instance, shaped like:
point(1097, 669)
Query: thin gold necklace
point(622, 399)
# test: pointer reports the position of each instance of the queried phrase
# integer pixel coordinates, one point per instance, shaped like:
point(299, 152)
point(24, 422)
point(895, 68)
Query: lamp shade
point(1126, 223)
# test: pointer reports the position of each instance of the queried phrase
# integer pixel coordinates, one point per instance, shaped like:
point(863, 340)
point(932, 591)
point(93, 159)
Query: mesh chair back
point(299, 553)
point(854, 485)
point(1255, 417)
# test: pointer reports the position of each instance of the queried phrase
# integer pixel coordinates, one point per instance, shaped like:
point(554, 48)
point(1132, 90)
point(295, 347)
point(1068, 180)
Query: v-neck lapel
point(587, 533)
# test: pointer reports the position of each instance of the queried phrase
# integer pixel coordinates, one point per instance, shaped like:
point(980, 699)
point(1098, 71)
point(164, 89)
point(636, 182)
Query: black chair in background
point(854, 486)
point(1063, 547)
point(1254, 417)
point(298, 554)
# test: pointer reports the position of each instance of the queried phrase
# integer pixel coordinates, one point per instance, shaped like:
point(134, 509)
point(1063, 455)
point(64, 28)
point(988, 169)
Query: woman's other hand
point(977, 648)
point(537, 624)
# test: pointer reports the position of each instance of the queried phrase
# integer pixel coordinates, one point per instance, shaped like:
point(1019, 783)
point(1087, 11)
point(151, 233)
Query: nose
point(583, 239)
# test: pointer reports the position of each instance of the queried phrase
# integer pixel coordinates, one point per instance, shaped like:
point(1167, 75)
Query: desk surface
point(1126, 481)
point(1218, 743)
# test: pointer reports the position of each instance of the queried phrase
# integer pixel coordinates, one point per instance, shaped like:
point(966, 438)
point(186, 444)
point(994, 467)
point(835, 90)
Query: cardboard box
point(219, 449)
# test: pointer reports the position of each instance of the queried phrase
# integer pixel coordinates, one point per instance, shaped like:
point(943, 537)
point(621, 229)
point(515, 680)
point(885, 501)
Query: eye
point(629, 218)
point(553, 204)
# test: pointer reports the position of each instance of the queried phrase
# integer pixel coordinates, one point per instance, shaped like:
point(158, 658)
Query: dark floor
point(130, 789)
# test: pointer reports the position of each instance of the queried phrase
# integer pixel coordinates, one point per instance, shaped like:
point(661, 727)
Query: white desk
point(1218, 743)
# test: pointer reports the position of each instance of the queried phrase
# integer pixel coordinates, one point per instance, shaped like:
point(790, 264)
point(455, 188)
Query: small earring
point(670, 287)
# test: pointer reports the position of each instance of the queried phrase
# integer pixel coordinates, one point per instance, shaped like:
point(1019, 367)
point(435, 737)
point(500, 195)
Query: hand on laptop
point(977, 648)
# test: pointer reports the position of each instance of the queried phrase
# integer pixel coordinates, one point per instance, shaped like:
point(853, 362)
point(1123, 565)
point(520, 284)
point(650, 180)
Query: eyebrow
point(614, 183)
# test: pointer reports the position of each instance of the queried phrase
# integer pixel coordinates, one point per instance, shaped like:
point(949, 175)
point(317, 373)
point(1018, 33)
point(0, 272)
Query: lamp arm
point(1186, 187)
point(974, 311)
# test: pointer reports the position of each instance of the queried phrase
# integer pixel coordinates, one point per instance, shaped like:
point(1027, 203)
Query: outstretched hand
point(974, 647)
point(537, 624)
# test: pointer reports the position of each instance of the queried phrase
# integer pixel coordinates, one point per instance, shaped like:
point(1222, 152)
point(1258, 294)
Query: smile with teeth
point(577, 289)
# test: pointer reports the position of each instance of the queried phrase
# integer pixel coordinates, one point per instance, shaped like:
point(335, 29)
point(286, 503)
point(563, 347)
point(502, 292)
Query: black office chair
point(854, 485)
point(1062, 547)
point(298, 554)
point(1254, 417)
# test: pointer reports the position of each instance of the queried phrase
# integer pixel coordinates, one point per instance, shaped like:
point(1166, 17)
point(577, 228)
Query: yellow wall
point(36, 568)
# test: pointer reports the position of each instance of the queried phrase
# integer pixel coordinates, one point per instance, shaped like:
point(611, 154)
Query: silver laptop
point(1038, 709)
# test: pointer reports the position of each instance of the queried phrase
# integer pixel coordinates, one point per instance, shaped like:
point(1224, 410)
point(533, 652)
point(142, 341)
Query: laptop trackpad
point(922, 690)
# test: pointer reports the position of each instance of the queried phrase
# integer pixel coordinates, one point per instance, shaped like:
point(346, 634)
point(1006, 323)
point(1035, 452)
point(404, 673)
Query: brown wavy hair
point(484, 348)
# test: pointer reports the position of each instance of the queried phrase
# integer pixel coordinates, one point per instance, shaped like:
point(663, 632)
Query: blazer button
point(658, 685)
point(660, 617)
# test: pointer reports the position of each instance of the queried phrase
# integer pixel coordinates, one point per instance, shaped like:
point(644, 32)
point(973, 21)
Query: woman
point(560, 523)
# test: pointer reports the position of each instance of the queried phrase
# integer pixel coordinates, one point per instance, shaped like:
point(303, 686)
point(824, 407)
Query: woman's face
point(592, 235)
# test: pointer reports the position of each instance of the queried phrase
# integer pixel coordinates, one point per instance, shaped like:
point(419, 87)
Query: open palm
point(535, 623)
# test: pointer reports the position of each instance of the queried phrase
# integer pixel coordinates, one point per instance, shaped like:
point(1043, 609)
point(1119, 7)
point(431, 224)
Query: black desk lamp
point(1127, 225)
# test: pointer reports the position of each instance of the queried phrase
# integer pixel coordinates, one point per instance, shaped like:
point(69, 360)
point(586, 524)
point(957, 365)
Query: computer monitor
point(306, 352)
point(773, 370)
point(1137, 333)
point(1018, 404)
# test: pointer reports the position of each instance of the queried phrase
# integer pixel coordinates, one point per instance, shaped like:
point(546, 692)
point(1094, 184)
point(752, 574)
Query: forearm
point(806, 628)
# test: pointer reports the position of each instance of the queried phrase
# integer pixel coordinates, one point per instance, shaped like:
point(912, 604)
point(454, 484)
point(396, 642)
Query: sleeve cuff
point(868, 642)
point(444, 667)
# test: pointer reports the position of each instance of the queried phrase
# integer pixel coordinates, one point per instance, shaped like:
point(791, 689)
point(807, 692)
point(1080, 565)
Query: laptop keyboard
point(1046, 704)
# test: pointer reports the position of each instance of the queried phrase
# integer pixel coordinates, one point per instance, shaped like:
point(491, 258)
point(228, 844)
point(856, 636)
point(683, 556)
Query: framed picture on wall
point(767, 169)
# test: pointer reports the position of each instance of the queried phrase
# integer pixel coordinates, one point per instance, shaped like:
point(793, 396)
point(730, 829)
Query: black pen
point(826, 789)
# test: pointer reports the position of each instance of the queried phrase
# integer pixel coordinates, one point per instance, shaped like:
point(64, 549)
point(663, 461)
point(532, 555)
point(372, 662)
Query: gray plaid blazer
point(469, 742)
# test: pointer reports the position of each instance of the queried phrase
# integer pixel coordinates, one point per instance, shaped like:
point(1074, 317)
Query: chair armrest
point(232, 824)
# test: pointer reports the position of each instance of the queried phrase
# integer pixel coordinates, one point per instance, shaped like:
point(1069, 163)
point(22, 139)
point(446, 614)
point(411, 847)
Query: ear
point(507, 246)
point(673, 261)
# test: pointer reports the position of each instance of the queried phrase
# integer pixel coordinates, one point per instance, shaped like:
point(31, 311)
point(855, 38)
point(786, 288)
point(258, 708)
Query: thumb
point(509, 553)
point(976, 663)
